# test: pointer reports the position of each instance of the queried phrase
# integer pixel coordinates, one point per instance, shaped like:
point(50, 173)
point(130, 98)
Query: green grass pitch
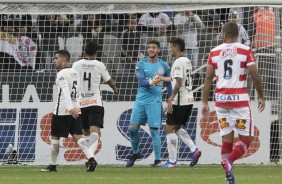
point(105, 174)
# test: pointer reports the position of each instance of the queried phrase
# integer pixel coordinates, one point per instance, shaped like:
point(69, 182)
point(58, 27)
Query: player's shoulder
point(142, 61)
point(165, 64)
point(62, 74)
point(242, 46)
point(66, 71)
point(79, 62)
point(182, 59)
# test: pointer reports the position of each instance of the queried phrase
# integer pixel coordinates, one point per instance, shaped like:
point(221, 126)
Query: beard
point(153, 56)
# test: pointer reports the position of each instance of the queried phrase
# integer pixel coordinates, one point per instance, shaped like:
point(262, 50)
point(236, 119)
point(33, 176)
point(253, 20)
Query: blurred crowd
point(28, 42)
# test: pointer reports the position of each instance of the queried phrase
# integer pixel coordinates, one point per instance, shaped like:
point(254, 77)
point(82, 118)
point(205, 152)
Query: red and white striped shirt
point(230, 61)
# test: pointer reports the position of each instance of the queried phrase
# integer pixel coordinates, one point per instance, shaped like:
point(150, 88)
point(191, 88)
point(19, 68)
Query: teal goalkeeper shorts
point(147, 113)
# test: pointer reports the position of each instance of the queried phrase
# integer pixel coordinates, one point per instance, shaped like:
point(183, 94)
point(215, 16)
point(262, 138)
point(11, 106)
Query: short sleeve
point(177, 69)
point(250, 57)
point(210, 60)
point(104, 73)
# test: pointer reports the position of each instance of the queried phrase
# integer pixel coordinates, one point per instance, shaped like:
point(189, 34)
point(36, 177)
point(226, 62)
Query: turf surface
point(200, 174)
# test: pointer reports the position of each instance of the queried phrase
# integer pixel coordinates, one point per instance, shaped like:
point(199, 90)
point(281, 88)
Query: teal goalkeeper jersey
point(147, 70)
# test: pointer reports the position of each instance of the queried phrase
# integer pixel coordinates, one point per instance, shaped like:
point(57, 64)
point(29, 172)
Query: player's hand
point(261, 104)
point(165, 109)
point(156, 80)
point(205, 110)
point(75, 113)
point(169, 106)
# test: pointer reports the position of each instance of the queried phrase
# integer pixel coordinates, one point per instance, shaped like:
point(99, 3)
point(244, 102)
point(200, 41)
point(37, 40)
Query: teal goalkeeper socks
point(134, 139)
point(156, 139)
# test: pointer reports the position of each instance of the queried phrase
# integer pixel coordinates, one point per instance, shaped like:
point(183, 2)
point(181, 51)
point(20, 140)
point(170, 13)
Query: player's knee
point(154, 132)
point(246, 140)
point(169, 129)
point(244, 143)
point(133, 131)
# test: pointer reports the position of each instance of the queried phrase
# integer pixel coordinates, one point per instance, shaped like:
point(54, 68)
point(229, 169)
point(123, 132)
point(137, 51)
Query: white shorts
point(237, 119)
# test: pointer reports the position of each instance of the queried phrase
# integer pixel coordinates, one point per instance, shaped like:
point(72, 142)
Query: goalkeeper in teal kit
point(148, 105)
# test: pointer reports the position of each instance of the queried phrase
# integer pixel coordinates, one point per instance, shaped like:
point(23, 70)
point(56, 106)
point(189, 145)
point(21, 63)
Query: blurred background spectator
point(131, 39)
point(154, 26)
point(186, 24)
point(243, 35)
point(48, 29)
point(92, 27)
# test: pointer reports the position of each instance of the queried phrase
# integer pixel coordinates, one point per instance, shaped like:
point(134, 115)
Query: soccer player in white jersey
point(230, 62)
point(180, 104)
point(66, 117)
point(90, 73)
point(242, 36)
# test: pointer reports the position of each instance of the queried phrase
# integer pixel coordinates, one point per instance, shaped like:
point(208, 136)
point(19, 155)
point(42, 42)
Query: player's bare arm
point(176, 88)
point(258, 85)
point(112, 84)
point(206, 91)
point(165, 79)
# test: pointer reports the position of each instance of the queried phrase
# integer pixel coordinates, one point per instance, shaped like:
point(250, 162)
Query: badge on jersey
point(161, 71)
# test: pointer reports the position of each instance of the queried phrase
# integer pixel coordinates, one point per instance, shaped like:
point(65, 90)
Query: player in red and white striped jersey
point(229, 63)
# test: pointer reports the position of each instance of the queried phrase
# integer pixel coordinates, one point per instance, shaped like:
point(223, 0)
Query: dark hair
point(91, 48)
point(230, 29)
point(179, 43)
point(155, 42)
point(65, 54)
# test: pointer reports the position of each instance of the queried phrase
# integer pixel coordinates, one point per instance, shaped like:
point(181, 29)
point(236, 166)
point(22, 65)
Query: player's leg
point(138, 116)
point(96, 122)
point(172, 144)
point(226, 150)
point(54, 155)
point(76, 132)
point(226, 131)
point(172, 139)
point(85, 122)
point(57, 131)
point(182, 115)
point(154, 115)
point(244, 126)
point(91, 162)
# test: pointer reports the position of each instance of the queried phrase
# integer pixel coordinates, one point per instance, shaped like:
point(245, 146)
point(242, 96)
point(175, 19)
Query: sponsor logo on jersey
point(87, 66)
point(223, 123)
point(228, 52)
point(84, 95)
point(88, 102)
point(177, 68)
point(74, 74)
point(240, 123)
point(221, 97)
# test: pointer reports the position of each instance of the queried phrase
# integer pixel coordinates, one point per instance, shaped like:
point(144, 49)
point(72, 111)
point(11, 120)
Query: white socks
point(85, 147)
point(54, 151)
point(93, 141)
point(172, 143)
point(186, 139)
